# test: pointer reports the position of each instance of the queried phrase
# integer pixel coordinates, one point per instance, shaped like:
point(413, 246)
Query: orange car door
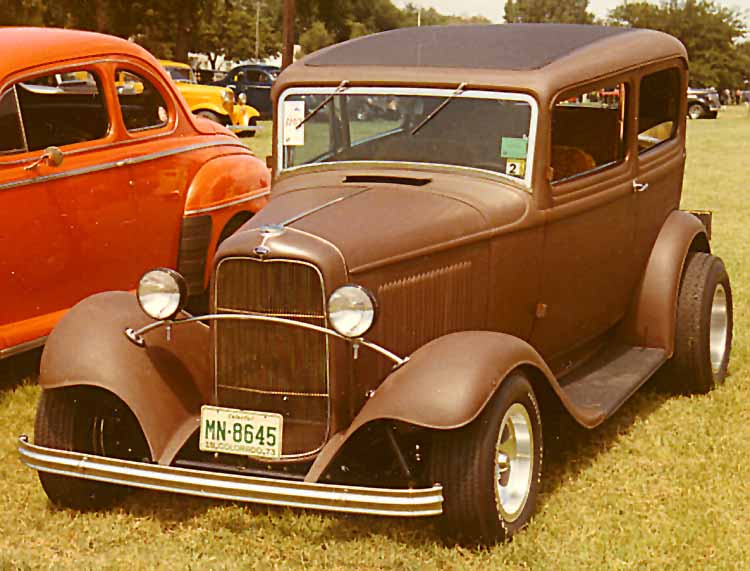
point(65, 229)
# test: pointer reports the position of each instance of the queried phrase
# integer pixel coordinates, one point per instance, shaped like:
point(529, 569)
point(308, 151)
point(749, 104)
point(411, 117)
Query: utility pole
point(257, 30)
point(287, 53)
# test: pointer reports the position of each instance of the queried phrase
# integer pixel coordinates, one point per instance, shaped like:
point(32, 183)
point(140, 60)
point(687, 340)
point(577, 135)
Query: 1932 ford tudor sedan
point(470, 227)
point(104, 173)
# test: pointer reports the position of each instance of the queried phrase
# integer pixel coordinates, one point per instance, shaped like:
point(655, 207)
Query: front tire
point(703, 337)
point(490, 469)
point(91, 421)
point(696, 111)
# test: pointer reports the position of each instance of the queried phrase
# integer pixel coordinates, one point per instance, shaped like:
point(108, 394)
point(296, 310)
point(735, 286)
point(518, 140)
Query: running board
point(339, 498)
point(599, 387)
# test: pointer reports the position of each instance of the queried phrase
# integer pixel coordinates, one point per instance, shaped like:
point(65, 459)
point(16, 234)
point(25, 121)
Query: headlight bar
point(136, 335)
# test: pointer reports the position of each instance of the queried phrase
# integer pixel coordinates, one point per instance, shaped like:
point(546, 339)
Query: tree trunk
point(185, 16)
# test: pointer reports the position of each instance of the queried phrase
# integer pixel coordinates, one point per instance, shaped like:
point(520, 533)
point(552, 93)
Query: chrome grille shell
point(267, 367)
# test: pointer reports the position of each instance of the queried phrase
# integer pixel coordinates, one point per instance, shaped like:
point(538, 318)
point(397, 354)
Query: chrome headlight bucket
point(352, 310)
point(242, 98)
point(162, 293)
point(227, 96)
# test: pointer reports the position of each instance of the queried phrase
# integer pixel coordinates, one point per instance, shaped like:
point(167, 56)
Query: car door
point(256, 84)
point(588, 273)
point(661, 156)
point(66, 217)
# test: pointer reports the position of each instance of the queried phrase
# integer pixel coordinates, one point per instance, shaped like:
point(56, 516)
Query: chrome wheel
point(719, 328)
point(514, 458)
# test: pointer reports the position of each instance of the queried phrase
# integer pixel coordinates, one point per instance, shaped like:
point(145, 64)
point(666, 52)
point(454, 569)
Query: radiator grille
point(270, 367)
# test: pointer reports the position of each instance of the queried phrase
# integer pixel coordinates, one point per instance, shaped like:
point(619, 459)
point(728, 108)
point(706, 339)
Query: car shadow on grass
point(16, 370)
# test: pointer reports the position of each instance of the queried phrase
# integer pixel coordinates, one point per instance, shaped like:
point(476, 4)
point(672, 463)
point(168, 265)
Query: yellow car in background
point(215, 103)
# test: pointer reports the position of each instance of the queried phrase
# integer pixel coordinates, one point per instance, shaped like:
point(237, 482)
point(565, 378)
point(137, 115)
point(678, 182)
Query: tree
point(561, 11)
point(710, 33)
point(315, 38)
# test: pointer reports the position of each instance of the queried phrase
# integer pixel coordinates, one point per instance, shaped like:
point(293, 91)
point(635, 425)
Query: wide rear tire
point(490, 469)
point(91, 421)
point(703, 337)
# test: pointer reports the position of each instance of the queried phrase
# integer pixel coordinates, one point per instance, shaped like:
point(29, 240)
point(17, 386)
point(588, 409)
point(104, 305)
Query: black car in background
point(255, 81)
point(703, 103)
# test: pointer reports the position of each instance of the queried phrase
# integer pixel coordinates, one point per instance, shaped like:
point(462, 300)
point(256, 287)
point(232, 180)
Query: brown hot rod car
point(470, 228)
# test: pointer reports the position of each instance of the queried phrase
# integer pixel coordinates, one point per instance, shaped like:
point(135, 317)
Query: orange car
point(100, 181)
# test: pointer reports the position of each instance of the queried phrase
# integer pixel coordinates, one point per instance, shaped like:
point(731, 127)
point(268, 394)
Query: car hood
point(375, 223)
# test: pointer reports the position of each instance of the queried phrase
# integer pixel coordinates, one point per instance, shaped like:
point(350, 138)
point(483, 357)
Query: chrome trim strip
point(225, 204)
point(116, 164)
point(350, 499)
point(301, 215)
point(136, 335)
point(22, 347)
point(20, 120)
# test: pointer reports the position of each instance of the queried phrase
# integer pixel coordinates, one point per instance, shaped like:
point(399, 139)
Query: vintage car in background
point(703, 103)
point(254, 81)
point(101, 179)
point(425, 291)
point(215, 103)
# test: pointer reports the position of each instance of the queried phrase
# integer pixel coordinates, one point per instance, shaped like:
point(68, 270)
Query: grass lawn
point(662, 485)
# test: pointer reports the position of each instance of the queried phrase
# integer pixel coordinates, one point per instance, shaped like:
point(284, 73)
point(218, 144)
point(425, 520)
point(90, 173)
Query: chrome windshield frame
point(526, 182)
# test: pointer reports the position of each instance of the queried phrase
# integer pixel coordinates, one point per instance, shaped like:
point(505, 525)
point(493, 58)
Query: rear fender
point(651, 318)
point(164, 384)
point(444, 385)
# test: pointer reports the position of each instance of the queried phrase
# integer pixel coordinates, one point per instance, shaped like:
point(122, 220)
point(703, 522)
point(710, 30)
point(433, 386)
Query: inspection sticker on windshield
point(294, 113)
point(513, 147)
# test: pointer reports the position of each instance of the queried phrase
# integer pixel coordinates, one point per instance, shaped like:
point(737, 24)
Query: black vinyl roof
point(501, 46)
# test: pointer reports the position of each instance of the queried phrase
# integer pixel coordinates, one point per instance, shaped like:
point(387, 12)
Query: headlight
point(351, 310)
point(228, 96)
point(242, 98)
point(162, 293)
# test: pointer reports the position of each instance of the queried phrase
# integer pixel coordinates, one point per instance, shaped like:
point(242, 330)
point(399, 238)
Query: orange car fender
point(164, 383)
point(651, 318)
point(444, 385)
point(229, 186)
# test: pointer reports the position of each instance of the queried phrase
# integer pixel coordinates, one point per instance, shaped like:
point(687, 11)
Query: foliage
point(316, 37)
point(561, 11)
point(708, 30)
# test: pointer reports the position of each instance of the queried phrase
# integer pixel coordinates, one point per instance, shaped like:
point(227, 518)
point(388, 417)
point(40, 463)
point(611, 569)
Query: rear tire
point(490, 469)
point(703, 337)
point(90, 421)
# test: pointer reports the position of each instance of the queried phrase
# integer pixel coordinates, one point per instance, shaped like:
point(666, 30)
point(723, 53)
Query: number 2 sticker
point(515, 167)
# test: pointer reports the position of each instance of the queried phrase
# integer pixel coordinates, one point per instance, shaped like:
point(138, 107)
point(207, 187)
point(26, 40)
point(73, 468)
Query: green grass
point(662, 485)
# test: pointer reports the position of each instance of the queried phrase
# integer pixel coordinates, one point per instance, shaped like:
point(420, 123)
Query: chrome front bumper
point(351, 499)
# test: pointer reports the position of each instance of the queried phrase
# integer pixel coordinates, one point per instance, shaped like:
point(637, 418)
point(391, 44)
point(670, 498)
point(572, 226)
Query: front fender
point(444, 385)
point(164, 383)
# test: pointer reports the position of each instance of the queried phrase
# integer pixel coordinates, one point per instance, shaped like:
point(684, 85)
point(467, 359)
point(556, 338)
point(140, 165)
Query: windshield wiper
point(459, 90)
point(343, 86)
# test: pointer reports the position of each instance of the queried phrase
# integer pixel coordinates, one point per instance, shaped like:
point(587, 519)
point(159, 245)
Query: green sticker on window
point(513, 147)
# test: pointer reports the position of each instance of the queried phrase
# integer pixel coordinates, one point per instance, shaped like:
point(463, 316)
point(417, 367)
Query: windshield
point(184, 74)
point(481, 130)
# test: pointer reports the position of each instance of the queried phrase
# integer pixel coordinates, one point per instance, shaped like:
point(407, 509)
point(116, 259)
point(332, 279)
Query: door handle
point(639, 186)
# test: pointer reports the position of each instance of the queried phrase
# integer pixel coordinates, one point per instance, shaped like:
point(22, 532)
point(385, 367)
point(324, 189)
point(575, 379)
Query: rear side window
point(588, 131)
point(658, 108)
point(61, 109)
point(11, 131)
point(143, 107)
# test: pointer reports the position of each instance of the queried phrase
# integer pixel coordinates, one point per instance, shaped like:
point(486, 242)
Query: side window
point(61, 109)
point(588, 131)
point(11, 131)
point(658, 108)
point(143, 107)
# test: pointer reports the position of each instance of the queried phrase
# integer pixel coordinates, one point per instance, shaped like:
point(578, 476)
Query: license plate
point(244, 432)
